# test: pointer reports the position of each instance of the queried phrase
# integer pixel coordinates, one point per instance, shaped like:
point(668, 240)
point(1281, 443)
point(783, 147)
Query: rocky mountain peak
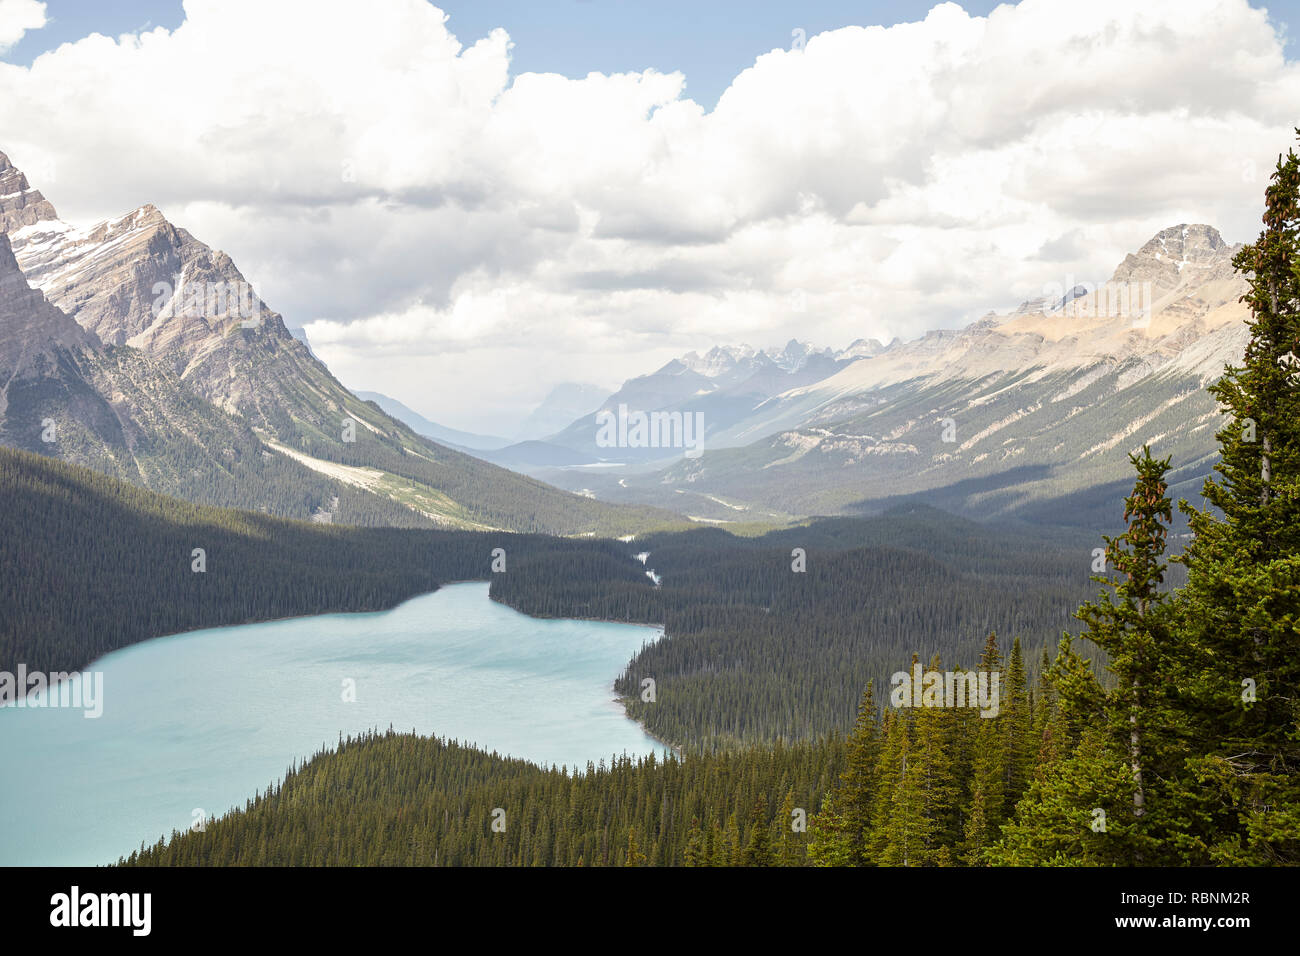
point(792, 357)
point(1196, 243)
point(32, 332)
point(20, 204)
point(1178, 256)
point(717, 361)
point(862, 348)
point(24, 309)
point(141, 281)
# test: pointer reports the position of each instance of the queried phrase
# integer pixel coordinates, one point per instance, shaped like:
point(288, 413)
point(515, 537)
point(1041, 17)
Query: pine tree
point(758, 849)
point(791, 852)
point(634, 855)
point(828, 837)
point(1133, 628)
point(1017, 726)
point(988, 806)
point(1240, 610)
point(900, 828)
point(730, 850)
point(1076, 815)
point(840, 830)
point(693, 854)
point(933, 730)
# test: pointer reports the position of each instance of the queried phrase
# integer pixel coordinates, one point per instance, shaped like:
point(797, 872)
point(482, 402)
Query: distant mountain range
point(724, 385)
point(561, 405)
point(1029, 414)
point(132, 347)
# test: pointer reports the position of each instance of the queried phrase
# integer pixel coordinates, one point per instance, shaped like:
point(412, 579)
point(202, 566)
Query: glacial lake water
point(206, 719)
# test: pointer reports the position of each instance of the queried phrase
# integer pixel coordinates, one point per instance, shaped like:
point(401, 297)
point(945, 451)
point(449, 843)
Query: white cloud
point(16, 18)
point(464, 239)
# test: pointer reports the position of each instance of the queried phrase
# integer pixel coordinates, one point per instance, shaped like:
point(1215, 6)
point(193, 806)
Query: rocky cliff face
point(195, 332)
point(20, 205)
point(29, 325)
point(158, 362)
point(142, 281)
point(50, 398)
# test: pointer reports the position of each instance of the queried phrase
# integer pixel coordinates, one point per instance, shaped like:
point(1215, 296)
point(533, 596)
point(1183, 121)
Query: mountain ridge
point(177, 325)
point(1069, 384)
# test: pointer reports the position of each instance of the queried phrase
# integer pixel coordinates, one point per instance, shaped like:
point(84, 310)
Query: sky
point(466, 204)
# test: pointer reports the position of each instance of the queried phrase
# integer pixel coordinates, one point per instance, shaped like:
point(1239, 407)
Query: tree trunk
point(1265, 470)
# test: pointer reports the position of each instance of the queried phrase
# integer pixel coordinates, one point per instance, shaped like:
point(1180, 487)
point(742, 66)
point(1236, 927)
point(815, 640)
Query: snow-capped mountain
point(158, 362)
point(143, 282)
point(1000, 417)
point(724, 385)
point(734, 363)
point(719, 361)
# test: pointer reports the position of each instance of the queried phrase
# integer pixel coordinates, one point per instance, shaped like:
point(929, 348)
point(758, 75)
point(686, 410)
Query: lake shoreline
point(662, 633)
point(450, 664)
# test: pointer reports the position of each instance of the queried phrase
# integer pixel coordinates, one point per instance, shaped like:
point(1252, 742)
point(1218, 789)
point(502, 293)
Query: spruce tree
point(1239, 614)
point(988, 806)
point(839, 832)
point(634, 855)
point(900, 829)
point(1075, 815)
point(791, 852)
point(758, 849)
point(1133, 628)
point(1016, 721)
point(693, 854)
point(933, 732)
point(828, 837)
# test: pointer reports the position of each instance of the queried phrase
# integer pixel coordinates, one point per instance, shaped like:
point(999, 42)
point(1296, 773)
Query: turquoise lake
point(206, 719)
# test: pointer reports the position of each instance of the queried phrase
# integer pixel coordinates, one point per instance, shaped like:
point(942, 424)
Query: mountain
point(724, 387)
point(299, 333)
point(142, 282)
point(184, 370)
point(66, 394)
point(1043, 405)
point(44, 361)
point(466, 441)
point(562, 404)
point(20, 204)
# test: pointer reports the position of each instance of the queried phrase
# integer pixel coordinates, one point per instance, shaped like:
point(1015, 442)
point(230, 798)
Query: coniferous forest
point(1162, 729)
point(90, 564)
point(1147, 715)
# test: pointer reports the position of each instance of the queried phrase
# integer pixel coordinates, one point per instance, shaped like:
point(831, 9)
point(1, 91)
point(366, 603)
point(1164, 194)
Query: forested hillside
point(402, 800)
point(1183, 752)
point(1186, 755)
point(1190, 756)
point(89, 564)
point(757, 651)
